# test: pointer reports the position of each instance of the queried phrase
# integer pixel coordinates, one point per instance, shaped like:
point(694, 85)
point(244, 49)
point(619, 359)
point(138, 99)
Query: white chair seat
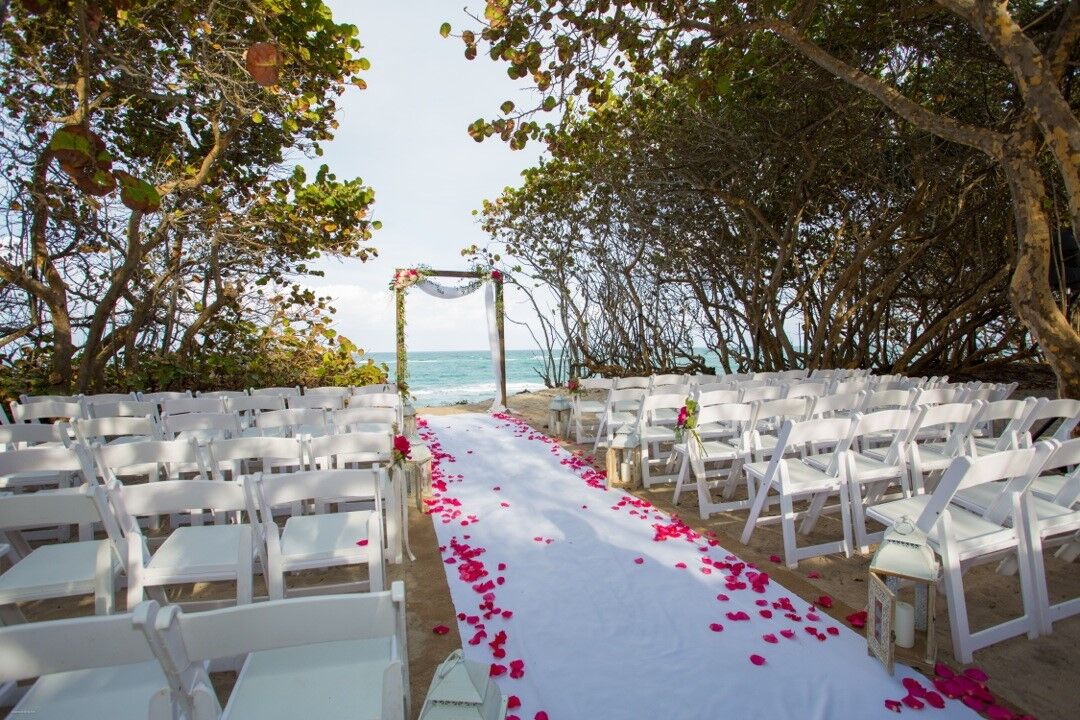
point(715, 450)
point(715, 428)
point(1048, 486)
point(968, 529)
point(867, 469)
point(802, 477)
point(319, 538)
point(203, 551)
point(52, 571)
point(616, 419)
point(110, 693)
point(657, 433)
point(1051, 516)
point(665, 414)
point(331, 681)
point(594, 407)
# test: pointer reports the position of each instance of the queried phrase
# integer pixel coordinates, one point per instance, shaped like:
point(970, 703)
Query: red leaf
point(757, 659)
point(893, 705)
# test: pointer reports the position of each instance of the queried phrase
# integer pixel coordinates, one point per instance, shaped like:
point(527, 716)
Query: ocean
point(445, 378)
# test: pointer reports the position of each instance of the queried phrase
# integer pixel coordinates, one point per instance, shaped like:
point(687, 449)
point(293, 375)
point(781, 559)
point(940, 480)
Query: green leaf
point(364, 64)
point(507, 107)
point(256, 117)
point(444, 29)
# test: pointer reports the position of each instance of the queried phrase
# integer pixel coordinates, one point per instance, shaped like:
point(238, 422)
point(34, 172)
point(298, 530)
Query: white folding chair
point(180, 406)
point(196, 553)
point(334, 390)
point(1010, 414)
point(887, 400)
point(734, 451)
point(228, 459)
point(29, 399)
point(939, 396)
point(793, 478)
point(769, 415)
point(46, 410)
point(316, 401)
point(338, 656)
point(318, 541)
point(86, 567)
point(621, 409)
point(964, 539)
point(19, 436)
point(838, 405)
point(582, 409)
point(364, 419)
point(163, 395)
point(377, 400)
point(223, 394)
point(631, 383)
point(948, 427)
point(93, 668)
point(1054, 419)
point(125, 408)
point(154, 460)
point(284, 392)
point(248, 407)
point(293, 423)
point(201, 426)
point(805, 389)
point(375, 389)
point(656, 418)
point(112, 430)
point(49, 466)
point(755, 393)
point(1050, 523)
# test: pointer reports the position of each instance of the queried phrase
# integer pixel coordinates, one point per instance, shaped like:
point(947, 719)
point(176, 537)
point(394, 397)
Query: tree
point(188, 110)
point(972, 72)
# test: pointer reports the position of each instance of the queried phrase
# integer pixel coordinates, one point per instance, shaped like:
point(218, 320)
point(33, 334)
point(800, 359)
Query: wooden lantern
point(896, 630)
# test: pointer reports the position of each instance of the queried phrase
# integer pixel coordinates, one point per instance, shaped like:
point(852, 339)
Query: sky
point(405, 135)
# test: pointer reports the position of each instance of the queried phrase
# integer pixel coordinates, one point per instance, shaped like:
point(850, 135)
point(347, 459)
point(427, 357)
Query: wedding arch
point(423, 278)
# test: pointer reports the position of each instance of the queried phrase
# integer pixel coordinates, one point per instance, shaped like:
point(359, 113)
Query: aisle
point(592, 605)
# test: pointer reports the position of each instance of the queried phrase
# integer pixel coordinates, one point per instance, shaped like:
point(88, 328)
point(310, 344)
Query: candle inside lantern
point(905, 625)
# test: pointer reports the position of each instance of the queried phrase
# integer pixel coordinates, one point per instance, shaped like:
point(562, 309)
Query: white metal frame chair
point(963, 539)
point(338, 656)
point(793, 478)
point(805, 389)
point(756, 393)
point(54, 467)
point(86, 567)
point(376, 400)
point(95, 668)
point(318, 541)
point(374, 389)
point(220, 552)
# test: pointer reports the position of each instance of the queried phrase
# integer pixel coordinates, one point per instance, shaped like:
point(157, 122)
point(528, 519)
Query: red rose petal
point(974, 703)
point(440, 629)
point(770, 638)
point(943, 671)
point(813, 574)
point(496, 670)
point(934, 700)
point(680, 565)
point(893, 705)
point(912, 686)
point(913, 702)
point(996, 712)
point(722, 597)
point(833, 630)
point(513, 702)
point(789, 634)
point(775, 558)
point(639, 560)
point(976, 674)
point(362, 543)
point(716, 627)
point(825, 601)
point(757, 659)
point(541, 716)
point(765, 613)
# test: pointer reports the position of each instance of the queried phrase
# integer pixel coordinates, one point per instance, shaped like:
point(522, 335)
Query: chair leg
point(787, 522)
point(1033, 588)
point(244, 567)
point(858, 513)
point(755, 510)
point(954, 597)
point(813, 513)
point(845, 517)
point(646, 478)
point(679, 482)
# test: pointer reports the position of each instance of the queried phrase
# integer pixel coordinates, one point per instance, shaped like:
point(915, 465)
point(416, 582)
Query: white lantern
point(559, 416)
point(408, 413)
point(462, 690)
point(895, 629)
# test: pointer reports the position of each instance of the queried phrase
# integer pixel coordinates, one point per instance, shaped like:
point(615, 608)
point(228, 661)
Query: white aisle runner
point(601, 620)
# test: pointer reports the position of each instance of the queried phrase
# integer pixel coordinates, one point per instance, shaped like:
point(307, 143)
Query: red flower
point(401, 444)
point(496, 275)
point(683, 412)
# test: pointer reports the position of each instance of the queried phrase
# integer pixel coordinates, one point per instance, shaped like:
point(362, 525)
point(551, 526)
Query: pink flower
point(683, 413)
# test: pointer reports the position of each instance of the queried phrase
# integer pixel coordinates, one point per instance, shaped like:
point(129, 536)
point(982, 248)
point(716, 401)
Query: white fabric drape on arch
point(451, 292)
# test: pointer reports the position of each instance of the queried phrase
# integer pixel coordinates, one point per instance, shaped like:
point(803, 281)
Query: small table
point(624, 458)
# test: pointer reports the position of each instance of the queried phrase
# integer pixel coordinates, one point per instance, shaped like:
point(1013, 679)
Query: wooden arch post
point(500, 328)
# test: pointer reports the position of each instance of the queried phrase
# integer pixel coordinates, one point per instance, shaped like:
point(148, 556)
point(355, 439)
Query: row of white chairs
point(224, 550)
point(246, 406)
point(329, 656)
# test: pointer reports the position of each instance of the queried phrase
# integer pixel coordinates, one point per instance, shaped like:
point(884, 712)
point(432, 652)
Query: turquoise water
point(445, 378)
